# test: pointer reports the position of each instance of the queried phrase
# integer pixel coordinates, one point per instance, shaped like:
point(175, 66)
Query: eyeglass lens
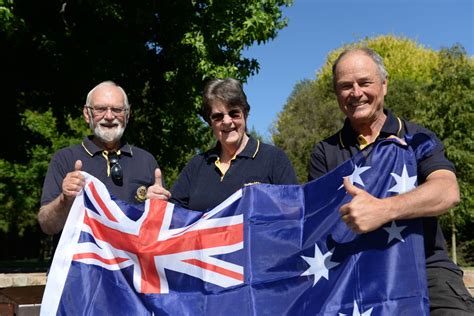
point(100, 110)
point(219, 116)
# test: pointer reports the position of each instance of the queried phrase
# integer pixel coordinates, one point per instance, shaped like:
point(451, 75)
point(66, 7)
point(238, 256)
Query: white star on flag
point(394, 232)
point(355, 176)
point(405, 183)
point(320, 264)
point(355, 311)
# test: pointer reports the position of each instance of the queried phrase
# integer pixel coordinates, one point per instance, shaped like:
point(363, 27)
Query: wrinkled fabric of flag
point(266, 250)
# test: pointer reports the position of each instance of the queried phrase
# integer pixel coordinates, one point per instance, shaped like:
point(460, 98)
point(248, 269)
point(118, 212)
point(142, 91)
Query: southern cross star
point(405, 183)
point(355, 311)
point(394, 232)
point(320, 264)
point(354, 177)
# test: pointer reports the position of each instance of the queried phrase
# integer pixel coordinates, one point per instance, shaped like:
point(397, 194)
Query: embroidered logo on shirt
point(141, 194)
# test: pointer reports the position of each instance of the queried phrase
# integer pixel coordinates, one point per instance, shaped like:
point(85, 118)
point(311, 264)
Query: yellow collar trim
point(105, 154)
point(256, 150)
point(340, 139)
point(399, 126)
point(87, 150)
point(363, 141)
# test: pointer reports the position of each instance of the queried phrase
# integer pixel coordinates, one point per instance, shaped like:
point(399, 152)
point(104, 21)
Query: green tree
point(161, 52)
point(20, 183)
point(447, 107)
point(307, 117)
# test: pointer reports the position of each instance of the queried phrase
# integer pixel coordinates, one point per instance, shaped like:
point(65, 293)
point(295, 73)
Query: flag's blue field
point(267, 250)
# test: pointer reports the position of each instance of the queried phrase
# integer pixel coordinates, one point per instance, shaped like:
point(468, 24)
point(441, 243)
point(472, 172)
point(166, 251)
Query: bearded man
point(126, 170)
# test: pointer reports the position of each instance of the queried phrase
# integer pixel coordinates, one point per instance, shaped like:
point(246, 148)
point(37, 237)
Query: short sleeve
point(317, 163)
point(283, 172)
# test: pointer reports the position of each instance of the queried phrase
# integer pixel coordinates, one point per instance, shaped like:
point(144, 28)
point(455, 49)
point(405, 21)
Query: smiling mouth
point(109, 125)
point(356, 104)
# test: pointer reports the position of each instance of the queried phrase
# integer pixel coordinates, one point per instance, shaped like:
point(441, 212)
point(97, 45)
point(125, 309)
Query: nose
point(227, 119)
point(109, 115)
point(356, 90)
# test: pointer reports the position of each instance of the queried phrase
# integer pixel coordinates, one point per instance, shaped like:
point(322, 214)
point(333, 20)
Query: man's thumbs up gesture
point(364, 213)
point(157, 191)
point(73, 182)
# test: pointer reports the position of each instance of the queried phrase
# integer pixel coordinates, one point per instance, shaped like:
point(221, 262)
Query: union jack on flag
point(150, 245)
point(267, 249)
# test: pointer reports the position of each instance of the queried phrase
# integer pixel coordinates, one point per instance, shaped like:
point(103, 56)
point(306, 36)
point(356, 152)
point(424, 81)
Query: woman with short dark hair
point(236, 160)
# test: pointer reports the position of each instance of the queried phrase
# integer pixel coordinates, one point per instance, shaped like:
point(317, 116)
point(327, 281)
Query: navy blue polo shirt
point(201, 185)
point(138, 168)
point(341, 146)
point(333, 151)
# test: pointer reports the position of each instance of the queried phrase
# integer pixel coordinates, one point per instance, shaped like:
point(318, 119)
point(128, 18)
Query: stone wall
point(30, 279)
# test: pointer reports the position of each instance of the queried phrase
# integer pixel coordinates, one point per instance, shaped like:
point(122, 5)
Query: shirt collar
point(250, 151)
point(92, 149)
point(392, 126)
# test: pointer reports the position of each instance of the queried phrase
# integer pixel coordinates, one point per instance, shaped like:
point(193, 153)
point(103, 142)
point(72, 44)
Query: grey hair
point(126, 105)
point(382, 72)
point(229, 91)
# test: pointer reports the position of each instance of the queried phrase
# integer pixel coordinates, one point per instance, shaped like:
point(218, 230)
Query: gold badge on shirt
point(141, 194)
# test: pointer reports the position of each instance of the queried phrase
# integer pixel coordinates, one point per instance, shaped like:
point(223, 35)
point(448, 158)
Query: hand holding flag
point(364, 213)
point(266, 250)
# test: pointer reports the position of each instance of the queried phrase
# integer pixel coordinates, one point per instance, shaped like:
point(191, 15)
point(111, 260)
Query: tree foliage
point(432, 88)
point(446, 106)
point(160, 52)
point(308, 116)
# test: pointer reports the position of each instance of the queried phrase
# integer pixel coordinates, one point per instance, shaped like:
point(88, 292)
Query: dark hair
point(383, 74)
point(228, 91)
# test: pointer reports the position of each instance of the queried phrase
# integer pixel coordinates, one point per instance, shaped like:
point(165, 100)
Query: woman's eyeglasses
point(233, 114)
point(115, 169)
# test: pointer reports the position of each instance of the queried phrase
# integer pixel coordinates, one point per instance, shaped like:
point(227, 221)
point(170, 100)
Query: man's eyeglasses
point(115, 169)
point(233, 114)
point(101, 110)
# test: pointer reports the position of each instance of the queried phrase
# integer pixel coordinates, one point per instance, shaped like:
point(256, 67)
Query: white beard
point(108, 135)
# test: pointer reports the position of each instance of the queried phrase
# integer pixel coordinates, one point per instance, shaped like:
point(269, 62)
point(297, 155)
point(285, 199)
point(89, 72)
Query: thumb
point(78, 165)
point(158, 177)
point(350, 188)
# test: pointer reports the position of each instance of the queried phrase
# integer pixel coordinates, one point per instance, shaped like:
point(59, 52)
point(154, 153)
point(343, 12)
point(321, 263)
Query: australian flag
point(266, 250)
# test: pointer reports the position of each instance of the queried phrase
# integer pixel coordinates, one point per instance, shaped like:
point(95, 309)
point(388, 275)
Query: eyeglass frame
point(234, 114)
point(104, 109)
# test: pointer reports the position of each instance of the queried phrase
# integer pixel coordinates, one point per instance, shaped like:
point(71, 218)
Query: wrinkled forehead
point(355, 64)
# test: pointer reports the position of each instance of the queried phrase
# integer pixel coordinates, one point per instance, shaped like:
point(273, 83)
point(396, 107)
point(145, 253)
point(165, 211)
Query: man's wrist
point(65, 200)
point(391, 209)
